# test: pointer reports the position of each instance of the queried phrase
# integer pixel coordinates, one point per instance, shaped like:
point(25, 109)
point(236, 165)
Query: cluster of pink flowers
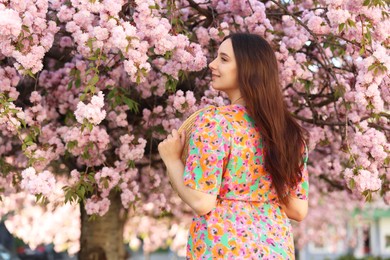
point(107, 178)
point(36, 113)
point(26, 35)
point(131, 150)
point(37, 224)
point(130, 187)
point(154, 84)
point(118, 117)
point(338, 16)
point(9, 79)
point(295, 36)
point(78, 142)
point(10, 24)
point(41, 183)
point(365, 180)
point(316, 23)
point(97, 205)
point(11, 122)
point(92, 112)
point(182, 102)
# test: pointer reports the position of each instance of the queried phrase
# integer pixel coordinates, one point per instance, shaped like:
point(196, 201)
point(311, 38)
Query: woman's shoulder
point(232, 112)
point(222, 114)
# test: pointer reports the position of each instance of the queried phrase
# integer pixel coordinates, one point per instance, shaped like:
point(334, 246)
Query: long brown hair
point(258, 79)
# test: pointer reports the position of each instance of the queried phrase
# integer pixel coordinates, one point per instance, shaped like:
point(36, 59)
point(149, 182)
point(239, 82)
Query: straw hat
point(187, 126)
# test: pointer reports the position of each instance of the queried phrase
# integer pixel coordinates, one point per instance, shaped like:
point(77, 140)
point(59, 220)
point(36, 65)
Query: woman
point(245, 175)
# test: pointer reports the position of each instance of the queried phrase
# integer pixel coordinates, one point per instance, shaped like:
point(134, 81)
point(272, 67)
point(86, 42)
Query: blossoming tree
point(89, 88)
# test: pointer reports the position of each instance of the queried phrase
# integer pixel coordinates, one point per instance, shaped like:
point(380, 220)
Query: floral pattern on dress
point(225, 158)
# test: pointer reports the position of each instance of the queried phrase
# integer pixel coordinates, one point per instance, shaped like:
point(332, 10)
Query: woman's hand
point(171, 148)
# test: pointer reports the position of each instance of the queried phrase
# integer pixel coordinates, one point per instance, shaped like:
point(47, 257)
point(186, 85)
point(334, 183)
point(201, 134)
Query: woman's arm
point(170, 150)
point(202, 203)
point(296, 209)
point(297, 205)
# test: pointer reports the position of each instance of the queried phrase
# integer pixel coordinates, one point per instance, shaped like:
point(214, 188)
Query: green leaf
point(366, 2)
point(387, 161)
point(82, 97)
point(368, 195)
point(85, 155)
point(78, 82)
point(351, 23)
point(372, 66)
point(29, 72)
point(70, 84)
point(25, 28)
point(93, 80)
point(351, 183)
point(133, 106)
point(90, 126)
point(362, 50)
point(105, 184)
point(81, 192)
point(339, 91)
point(131, 164)
point(72, 144)
point(29, 143)
point(156, 6)
point(112, 93)
point(68, 196)
point(91, 178)
point(168, 55)
point(341, 27)
point(367, 35)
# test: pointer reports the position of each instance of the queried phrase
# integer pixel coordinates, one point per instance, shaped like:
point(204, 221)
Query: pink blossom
point(317, 25)
point(98, 206)
point(107, 179)
point(91, 112)
point(65, 13)
point(10, 24)
point(338, 16)
point(34, 183)
point(366, 180)
point(127, 197)
point(35, 97)
point(130, 151)
point(33, 60)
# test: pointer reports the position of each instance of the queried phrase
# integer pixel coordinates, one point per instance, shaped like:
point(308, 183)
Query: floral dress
point(226, 159)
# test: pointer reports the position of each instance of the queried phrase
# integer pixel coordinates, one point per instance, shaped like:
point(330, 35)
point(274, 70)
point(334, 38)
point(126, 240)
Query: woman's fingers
point(175, 134)
point(172, 146)
point(183, 137)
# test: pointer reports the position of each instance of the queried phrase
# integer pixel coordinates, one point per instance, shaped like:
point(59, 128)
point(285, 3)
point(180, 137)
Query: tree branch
point(335, 184)
point(318, 121)
point(206, 12)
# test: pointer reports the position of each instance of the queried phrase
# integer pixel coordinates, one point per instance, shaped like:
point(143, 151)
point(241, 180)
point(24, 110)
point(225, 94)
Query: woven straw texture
point(187, 126)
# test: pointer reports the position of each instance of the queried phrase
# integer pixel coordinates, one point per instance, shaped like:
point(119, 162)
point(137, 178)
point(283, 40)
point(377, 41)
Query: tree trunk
point(102, 238)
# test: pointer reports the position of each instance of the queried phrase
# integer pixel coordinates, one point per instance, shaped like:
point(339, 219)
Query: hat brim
point(187, 126)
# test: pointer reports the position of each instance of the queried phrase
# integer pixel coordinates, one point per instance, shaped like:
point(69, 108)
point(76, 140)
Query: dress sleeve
point(302, 189)
point(208, 152)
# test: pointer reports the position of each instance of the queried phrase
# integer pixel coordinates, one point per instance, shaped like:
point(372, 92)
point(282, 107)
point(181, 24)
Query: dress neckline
point(237, 105)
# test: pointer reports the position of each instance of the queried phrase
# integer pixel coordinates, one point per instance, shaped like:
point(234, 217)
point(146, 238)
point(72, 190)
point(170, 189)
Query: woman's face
point(224, 70)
